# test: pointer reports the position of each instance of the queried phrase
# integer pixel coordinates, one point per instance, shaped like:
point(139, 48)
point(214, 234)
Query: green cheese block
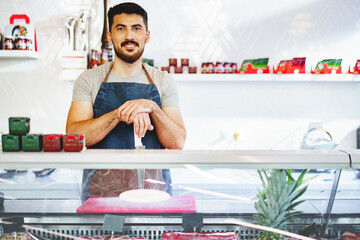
point(11, 143)
point(31, 143)
point(19, 125)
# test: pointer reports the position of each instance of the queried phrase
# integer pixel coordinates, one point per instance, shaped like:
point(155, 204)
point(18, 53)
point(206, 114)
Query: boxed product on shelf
point(11, 143)
point(73, 142)
point(356, 68)
point(31, 142)
point(328, 66)
point(52, 142)
point(19, 125)
point(259, 66)
point(295, 65)
point(20, 34)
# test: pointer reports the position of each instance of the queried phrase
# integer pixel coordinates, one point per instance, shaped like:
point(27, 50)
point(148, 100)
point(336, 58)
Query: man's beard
point(128, 58)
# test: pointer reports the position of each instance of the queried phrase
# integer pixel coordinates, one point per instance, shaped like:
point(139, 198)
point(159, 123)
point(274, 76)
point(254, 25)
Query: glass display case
point(44, 192)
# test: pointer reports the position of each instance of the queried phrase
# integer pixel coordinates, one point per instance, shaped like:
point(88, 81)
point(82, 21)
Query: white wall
point(265, 114)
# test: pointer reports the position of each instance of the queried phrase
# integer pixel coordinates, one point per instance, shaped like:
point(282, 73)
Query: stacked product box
point(18, 139)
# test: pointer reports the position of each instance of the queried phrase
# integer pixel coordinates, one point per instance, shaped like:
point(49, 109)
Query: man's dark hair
point(128, 8)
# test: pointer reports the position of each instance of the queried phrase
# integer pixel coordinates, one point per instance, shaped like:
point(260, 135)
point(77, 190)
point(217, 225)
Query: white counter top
point(354, 157)
point(251, 159)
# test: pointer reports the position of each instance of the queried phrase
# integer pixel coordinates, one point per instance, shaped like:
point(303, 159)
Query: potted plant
point(277, 200)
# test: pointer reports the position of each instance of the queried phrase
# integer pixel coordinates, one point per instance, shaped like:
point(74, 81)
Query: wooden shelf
point(18, 54)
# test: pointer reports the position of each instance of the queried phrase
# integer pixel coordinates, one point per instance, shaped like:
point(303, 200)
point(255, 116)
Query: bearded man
point(116, 100)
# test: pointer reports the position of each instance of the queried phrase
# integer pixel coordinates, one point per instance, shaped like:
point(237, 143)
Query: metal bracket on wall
point(192, 222)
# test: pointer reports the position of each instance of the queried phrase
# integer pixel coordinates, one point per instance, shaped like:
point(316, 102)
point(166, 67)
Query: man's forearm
point(171, 135)
point(94, 129)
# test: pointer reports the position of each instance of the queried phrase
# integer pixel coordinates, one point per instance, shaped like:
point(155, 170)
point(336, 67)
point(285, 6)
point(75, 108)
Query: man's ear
point(108, 36)
point(147, 36)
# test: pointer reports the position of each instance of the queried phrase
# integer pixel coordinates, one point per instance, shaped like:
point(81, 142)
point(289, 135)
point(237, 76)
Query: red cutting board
point(176, 204)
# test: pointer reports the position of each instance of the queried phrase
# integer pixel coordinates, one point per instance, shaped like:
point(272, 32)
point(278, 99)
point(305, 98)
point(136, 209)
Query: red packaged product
point(356, 68)
point(199, 236)
point(73, 142)
point(178, 70)
point(52, 142)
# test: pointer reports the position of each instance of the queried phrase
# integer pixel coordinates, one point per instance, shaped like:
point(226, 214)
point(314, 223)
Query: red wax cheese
point(73, 142)
point(52, 142)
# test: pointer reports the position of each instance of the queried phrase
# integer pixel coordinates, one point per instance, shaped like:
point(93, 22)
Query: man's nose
point(129, 34)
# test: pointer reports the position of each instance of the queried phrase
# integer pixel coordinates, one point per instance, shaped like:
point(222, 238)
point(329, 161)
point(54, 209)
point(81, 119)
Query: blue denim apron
point(106, 182)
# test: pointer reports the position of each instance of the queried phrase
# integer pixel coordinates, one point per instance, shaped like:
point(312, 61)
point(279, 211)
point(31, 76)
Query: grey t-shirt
point(88, 84)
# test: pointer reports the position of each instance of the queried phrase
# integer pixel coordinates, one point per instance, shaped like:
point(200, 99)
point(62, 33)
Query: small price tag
point(192, 222)
point(113, 223)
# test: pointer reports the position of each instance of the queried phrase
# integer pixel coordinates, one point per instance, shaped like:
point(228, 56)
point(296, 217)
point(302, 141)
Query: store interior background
point(266, 114)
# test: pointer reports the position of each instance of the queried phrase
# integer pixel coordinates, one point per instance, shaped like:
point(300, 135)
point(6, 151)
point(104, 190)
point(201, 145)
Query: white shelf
point(18, 54)
point(129, 159)
point(266, 77)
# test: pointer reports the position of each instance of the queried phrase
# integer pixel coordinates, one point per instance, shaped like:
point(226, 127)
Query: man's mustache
point(129, 42)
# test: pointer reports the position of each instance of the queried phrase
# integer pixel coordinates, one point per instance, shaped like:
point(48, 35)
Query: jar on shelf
point(20, 43)
point(219, 67)
point(234, 67)
point(227, 67)
point(29, 44)
point(185, 62)
point(179, 69)
point(172, 62)
point(165, 69)
point(192, 70)
point(9, 43)
point(209, 67)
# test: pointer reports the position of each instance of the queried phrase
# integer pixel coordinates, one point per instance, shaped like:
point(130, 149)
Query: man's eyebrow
point(123, 25)
point(136, 25)
point(120, 25)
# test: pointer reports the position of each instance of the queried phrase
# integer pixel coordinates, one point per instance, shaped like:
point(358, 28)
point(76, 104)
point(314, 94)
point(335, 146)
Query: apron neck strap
point(146, 73)
point(107, 75)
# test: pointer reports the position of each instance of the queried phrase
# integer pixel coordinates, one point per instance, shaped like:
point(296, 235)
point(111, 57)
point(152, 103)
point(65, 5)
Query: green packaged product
point(31, 143)
point(19, 125)
point(148, 61)
point(331, 64)
point(11, 143)
point(260, 63)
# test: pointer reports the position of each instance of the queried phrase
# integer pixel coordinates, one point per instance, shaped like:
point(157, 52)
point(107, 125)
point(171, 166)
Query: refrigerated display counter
point(222, 184)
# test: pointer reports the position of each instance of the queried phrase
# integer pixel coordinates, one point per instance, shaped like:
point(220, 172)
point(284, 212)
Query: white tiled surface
point(266, 115)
